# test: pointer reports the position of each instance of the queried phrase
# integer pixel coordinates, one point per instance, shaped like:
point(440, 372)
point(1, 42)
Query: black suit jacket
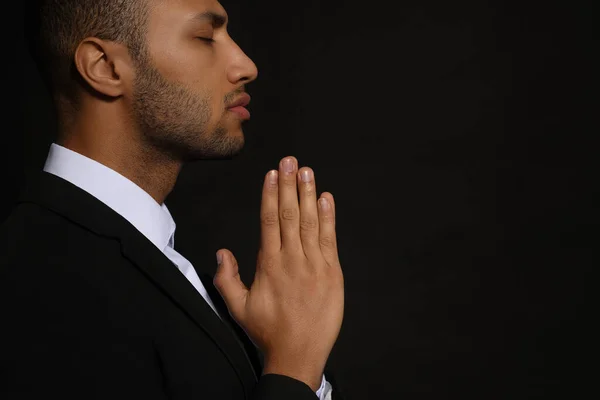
point(93, 310)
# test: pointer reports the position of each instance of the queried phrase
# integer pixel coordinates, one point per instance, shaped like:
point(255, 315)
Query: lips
point(239, 106)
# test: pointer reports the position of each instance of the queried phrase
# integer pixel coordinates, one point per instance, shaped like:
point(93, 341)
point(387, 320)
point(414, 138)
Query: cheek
point(208, 86)
point(183, 60)
point(212, 97)
point(198, 77)
point(194, 67)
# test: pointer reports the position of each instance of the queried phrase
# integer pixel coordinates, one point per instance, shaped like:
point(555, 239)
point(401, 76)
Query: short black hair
point(54, 29)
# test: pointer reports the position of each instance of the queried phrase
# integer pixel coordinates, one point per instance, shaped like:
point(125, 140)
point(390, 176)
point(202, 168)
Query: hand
point(293, 310)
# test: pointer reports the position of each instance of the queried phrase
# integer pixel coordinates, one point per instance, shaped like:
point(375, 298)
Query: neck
point(113, 142)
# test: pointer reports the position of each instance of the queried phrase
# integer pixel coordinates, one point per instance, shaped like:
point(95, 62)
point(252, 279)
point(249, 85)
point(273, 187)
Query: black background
point(456, 138)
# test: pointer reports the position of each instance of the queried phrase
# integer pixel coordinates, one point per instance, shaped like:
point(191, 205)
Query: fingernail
point(288, 165)
point(324, 203)
point(273, 177)
point(219, 258)
point(306, 175)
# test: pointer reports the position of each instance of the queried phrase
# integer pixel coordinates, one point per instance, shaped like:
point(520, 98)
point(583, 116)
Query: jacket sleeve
point(277, 387)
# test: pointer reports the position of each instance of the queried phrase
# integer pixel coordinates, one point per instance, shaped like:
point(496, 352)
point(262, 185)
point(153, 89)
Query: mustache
point(230, 97)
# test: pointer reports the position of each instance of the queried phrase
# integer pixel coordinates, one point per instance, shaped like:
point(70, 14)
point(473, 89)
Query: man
point(98, 303)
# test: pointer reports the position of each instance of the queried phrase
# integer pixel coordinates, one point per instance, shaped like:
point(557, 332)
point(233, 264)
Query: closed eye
point(207, 40)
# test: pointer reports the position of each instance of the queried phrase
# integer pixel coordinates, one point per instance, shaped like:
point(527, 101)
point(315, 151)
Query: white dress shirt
point(151, 219)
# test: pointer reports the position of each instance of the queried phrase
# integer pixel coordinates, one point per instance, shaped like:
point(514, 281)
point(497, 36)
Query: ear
point(104, 65)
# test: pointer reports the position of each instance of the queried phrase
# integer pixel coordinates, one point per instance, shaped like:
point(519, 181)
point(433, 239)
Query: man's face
point(185, 86)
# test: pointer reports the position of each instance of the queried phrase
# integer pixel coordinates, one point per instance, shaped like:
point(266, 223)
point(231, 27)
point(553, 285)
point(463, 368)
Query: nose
point(241, 69)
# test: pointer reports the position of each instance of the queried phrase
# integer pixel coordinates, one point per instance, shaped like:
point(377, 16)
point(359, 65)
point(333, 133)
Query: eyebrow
point(216, 20)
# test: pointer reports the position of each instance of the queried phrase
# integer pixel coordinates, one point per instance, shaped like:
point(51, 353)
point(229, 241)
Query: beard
point(174, 120)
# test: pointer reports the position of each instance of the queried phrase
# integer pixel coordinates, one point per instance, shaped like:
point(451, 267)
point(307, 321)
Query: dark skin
point(177, 99)
point(145, 119)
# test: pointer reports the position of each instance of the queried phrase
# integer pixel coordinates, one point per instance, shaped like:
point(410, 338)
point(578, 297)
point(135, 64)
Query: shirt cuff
point(324, 392)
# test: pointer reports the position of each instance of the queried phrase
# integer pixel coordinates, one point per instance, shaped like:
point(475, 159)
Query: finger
point(270, 235)
point(327, 234)
point(329, 197)
point(309, 215)
point(229, 284)
point(289, 211)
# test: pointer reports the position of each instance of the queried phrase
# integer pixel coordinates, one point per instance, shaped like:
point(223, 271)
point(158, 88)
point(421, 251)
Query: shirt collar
point(126, 198)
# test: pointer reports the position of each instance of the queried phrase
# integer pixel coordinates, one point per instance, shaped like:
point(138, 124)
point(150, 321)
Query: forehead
point(176, 13)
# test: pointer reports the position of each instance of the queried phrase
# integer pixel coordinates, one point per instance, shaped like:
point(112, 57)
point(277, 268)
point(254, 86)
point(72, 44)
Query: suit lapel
point(253, 355)
point(82, 208)
point(165, 274)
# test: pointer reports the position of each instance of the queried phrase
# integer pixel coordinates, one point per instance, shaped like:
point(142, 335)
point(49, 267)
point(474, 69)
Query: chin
point(237, 145)
point(236, 133)
point(225, 147)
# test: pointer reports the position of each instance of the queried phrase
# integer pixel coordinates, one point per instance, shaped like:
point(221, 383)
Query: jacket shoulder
point(34, 236)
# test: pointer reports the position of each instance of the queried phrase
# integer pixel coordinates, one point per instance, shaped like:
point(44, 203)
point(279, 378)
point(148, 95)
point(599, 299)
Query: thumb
point(229, 284)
